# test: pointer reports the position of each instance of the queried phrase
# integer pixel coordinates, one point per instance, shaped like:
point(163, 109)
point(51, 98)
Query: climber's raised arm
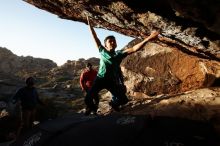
point(97, 41)
point(139, 45)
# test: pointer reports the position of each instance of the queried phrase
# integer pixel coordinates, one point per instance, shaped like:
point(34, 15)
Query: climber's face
point(110, 44)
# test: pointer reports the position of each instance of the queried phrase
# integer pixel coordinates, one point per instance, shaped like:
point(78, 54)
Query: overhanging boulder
point(192, 22)
point(187, 55)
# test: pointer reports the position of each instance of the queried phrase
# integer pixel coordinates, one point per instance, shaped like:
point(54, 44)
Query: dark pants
point(117, 90)
point(94, 97)
point(27, 119)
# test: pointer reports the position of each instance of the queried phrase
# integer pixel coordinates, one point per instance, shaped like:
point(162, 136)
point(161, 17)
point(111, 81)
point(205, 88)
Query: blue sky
point(27, 30)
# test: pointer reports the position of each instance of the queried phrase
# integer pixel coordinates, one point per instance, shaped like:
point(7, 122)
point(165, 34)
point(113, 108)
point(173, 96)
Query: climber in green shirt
point(109, 75)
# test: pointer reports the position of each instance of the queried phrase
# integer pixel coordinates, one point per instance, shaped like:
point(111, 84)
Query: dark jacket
point(28, 96)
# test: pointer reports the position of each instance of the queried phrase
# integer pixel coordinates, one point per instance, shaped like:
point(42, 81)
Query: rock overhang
point(192, 23)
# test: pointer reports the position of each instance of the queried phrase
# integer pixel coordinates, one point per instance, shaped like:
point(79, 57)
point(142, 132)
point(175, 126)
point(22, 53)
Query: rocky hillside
point(19, 65)
point(64, 76)
point(14, 69)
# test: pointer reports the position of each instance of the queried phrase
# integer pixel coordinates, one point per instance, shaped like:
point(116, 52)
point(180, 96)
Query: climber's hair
point(109, 37)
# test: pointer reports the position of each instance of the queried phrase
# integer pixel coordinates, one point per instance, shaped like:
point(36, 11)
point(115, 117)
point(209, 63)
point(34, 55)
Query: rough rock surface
point(160, 68)
point(192, 22)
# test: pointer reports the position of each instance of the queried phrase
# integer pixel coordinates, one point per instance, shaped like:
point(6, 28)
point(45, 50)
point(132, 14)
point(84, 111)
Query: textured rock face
point(161, 69)
point(191, 22)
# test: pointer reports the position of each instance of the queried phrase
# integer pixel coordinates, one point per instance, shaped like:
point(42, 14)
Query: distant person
point(87, 78)
point(28, 98)
point(109, 75)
